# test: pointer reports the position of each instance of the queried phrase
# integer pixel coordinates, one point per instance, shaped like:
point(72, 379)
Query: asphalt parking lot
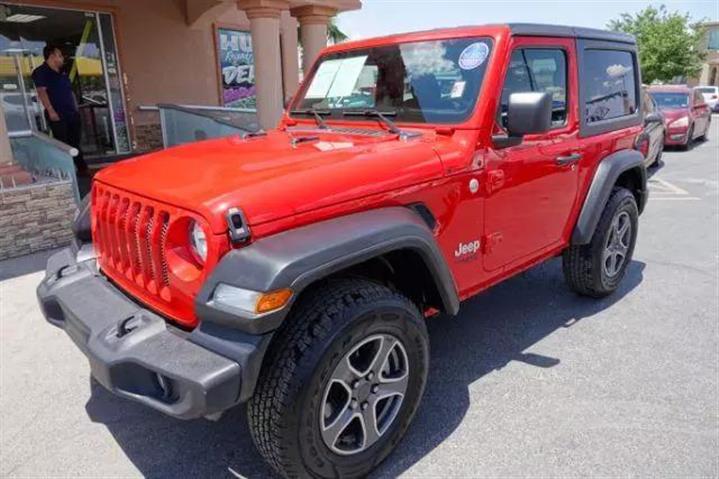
point(529, 380)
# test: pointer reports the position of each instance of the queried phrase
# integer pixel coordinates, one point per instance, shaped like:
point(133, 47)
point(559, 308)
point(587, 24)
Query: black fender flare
point(297, 258)
point(604, 180)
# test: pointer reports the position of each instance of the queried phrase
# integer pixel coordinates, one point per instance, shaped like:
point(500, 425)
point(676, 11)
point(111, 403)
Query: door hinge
point(491, 241)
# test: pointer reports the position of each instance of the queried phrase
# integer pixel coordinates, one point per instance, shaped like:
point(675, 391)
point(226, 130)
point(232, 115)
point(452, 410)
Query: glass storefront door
point(88, 44)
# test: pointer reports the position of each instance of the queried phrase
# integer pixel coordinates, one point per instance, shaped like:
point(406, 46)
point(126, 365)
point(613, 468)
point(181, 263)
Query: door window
point(610, 85)
point(537, 70)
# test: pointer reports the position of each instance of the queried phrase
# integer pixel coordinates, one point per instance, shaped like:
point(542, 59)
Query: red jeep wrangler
point(293, 269)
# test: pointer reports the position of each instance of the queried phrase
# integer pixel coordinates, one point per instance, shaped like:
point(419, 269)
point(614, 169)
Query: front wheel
point(597, 268)
point(342, 381)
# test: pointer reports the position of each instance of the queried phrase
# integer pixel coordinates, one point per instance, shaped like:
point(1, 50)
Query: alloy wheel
point(617, 245)
point(364, 394)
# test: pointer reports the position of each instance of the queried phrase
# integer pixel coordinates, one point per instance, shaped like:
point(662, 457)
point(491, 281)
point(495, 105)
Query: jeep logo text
point(466, 250)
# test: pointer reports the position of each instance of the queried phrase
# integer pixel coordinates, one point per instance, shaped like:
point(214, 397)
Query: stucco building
point(124, 57)
point(710, 70)
point(131, 53)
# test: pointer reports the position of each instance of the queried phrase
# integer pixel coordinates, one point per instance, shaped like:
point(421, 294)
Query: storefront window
point(237, 68)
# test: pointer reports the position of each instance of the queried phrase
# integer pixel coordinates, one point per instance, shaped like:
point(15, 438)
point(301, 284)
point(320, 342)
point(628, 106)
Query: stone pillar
point(264, 18)
point(5, 150)
point(290, 60)
point(313, 31)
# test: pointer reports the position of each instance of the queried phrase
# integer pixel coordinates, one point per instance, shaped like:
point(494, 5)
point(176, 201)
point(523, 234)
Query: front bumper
point(134, 353)
point(676, 136)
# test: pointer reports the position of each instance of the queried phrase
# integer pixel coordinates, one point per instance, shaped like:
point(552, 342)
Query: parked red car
point(293, 269)
point(687, 116)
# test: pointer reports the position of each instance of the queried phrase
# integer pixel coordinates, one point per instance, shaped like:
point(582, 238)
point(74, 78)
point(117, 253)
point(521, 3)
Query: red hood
point(269, 178)
point(671, 114)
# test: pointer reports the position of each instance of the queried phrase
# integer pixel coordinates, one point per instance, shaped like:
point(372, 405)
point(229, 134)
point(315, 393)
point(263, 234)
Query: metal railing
point(187, 123)
point(41, 155)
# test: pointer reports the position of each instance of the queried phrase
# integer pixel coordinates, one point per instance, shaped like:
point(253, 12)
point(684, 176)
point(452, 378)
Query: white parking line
point(659, 185)
point(673, 198)
point(662, 190)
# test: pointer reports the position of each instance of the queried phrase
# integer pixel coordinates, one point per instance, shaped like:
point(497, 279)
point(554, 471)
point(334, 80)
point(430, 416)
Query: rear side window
point(539, 70)
point(610, 82)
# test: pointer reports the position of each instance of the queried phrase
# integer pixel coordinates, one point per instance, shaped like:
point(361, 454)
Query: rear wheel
point(342, 381)
point(597, 268)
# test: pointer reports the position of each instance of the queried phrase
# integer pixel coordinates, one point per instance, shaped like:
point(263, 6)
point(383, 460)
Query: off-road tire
point(582, 264)
point(325, 324)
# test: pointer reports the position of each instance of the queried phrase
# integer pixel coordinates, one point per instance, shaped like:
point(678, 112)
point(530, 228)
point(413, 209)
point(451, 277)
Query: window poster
point(237, 68)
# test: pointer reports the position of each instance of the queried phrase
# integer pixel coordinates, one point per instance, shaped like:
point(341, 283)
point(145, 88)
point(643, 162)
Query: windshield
point(418, 82)
point(670, 100)
point(709, 89)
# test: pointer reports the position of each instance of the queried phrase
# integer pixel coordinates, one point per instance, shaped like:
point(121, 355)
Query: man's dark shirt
point(59, 90)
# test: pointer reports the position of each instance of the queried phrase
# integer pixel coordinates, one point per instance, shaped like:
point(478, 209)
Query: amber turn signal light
point(273, 300)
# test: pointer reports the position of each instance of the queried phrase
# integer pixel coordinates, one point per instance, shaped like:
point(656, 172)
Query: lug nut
point(353, 404)
point(365, 405)
point(375, 388)
point(370, 376)
point(355, 384)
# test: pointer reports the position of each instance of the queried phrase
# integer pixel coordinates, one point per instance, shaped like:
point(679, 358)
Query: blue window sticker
point(473, 56)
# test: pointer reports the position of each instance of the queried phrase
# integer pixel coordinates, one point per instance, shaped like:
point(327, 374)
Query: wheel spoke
point(612, 263)
point(345, 372)
point(623, 229)
point(380, 359)
point(369, 425)
point(392, 387)
point(332, 433)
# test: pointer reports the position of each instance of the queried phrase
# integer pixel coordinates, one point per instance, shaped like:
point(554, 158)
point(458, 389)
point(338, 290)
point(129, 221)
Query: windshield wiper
point(317, 114)
point(381, 115)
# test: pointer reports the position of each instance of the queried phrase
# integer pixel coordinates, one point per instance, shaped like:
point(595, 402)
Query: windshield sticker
point(347, 76)
point(333, 145)
point(457, 89)
point(473, 56)
point(336, 78)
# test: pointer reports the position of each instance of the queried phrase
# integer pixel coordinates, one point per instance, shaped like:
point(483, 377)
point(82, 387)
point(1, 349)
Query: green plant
point(669, 42)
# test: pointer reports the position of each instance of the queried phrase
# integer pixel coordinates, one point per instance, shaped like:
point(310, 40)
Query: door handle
point(568, 159)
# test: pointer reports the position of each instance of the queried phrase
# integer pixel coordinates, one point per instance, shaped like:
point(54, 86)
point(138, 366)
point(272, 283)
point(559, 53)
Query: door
point(532, 186)
point(88, 44)
point(17, 94)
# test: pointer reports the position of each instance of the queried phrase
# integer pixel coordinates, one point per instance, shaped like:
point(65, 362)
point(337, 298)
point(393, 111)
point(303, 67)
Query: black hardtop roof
point(543, 30)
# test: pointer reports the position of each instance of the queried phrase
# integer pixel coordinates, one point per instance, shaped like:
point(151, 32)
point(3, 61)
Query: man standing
point(55, 92)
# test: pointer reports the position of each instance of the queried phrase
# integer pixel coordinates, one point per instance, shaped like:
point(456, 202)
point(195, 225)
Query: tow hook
point(126, 326)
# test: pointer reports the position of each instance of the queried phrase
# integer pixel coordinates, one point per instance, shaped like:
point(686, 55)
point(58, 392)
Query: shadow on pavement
point(32, 263)
point(492, 330)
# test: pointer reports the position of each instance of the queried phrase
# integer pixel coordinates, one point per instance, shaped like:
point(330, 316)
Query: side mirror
point(653, 118)
point(527, 113)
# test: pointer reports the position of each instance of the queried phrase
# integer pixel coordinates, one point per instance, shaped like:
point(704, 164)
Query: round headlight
point(198, 241)
point(680, 122)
